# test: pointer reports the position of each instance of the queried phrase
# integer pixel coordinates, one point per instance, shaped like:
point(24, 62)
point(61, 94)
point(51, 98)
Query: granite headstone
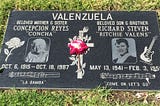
point(124, 51)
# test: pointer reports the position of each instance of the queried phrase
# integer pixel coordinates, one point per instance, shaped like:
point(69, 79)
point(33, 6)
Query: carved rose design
point(77, 47)
point(12, 44)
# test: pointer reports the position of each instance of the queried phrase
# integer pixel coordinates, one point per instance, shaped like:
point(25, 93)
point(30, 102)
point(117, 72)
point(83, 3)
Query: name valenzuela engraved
point(81, 16)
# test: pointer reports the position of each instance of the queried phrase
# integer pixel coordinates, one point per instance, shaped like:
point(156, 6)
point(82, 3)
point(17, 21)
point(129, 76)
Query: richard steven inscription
point(122, 50)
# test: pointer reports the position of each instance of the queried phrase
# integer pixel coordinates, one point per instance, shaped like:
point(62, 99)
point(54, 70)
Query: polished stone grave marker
point(123, 50)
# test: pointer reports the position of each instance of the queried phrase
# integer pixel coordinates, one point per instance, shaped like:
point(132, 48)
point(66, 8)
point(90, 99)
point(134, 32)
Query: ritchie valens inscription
point(123, 51)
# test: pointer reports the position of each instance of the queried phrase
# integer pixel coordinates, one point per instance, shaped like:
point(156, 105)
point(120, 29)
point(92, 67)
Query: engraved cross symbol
point(78, 59)
point(81, 33)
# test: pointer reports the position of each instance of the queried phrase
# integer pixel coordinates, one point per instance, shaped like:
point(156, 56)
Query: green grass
point(95, 97)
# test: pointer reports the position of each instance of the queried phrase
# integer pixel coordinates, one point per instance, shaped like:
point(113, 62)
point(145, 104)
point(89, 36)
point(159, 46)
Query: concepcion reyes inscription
point(122, 50)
